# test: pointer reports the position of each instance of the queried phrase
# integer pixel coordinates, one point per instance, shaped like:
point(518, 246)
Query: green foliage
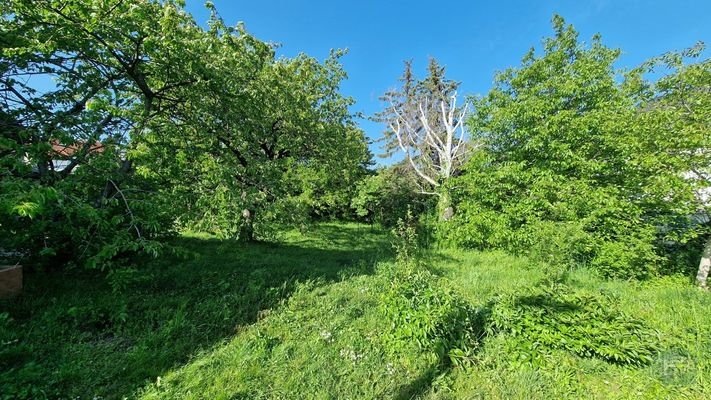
point(421, 308)
point(60, 224)
point(406, 244)
point(69, 192)
point(327, 190)
point(571, 163)
point(154, 123)
point(552, 219)
point(386, 197)
point(560, 318)
point(425, 310)
point(262, 134)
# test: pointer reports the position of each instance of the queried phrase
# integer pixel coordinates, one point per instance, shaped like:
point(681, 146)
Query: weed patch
point(422, 308)
point(561, 318)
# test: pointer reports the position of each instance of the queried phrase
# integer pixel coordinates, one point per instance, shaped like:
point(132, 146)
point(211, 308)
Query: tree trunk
point(444, 206)
point(704, 266)
point(246, 233)
point(110, 188)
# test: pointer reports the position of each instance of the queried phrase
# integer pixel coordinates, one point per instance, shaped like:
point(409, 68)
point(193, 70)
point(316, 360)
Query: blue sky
point(473, 39)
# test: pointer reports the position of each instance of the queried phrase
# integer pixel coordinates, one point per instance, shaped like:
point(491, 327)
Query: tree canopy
point(120, 119)
point(584, 162)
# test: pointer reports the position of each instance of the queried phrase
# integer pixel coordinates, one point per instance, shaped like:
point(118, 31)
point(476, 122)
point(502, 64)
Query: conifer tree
point(424, 122)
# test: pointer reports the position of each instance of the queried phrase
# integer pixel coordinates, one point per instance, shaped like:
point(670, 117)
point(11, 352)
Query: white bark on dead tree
point(704, 266)
point(703, 196)
point(448, 142)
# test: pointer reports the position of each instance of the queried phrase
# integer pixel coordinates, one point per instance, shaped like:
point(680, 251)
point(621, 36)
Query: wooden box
point(10, 281)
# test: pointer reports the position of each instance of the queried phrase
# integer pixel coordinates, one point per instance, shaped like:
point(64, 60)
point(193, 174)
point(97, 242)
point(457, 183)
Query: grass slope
point(674, 309)
point(305, 320)
point(70, 335)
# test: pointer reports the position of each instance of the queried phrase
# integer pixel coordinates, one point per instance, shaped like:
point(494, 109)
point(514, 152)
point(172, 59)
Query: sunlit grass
point(70, 335)
point(313, 337)
point(300, 319)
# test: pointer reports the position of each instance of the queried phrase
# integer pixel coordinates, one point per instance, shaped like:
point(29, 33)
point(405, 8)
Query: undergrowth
point(559, 317)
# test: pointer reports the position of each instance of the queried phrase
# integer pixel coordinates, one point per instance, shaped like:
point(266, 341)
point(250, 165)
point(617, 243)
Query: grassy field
point(309, 318)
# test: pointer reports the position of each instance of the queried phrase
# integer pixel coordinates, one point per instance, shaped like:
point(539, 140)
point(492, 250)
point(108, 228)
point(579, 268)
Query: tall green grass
point(328, 314)
point(71, 335)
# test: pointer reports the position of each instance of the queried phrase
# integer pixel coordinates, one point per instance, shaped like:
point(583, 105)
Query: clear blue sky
point(472, 38)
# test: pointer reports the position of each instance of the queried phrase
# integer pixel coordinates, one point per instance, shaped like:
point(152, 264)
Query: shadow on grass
point(523, 316)
point(70, 335)
point(418, 386)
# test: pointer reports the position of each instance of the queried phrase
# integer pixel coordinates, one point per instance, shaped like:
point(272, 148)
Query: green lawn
point(304, 319)
point(70, 335)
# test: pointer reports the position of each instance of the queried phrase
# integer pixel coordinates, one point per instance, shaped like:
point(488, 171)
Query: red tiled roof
point(69, 150)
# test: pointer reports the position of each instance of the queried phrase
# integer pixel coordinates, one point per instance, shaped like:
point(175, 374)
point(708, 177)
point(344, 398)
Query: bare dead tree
point(435, 150)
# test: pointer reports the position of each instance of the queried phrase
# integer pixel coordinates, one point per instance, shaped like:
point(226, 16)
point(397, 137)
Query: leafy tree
point(261, 134)
point(672, 144)
point(157, 120)
point(571, 170)
point(327, 191)
point(89, 76)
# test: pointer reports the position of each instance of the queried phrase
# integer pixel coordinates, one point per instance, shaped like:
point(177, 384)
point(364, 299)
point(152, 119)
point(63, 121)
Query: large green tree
point(583, 163)
point(262, 134)
point(80, 82)
point(121, 118)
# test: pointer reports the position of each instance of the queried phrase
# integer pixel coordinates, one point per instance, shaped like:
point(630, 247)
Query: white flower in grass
point(390, 368)
point(327, 336)
point(351, 355)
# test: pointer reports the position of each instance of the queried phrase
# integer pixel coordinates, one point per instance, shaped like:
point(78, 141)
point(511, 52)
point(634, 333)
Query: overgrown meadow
point(197, 217)
point(332, 313)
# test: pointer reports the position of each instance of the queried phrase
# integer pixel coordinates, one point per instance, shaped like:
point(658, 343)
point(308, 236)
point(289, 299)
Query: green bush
point(71, 223)
point(423, 309)
point(387, 196)
point(560, 318)
point(551, 218)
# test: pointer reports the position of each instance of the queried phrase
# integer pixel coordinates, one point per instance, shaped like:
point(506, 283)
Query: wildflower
point(327, 336)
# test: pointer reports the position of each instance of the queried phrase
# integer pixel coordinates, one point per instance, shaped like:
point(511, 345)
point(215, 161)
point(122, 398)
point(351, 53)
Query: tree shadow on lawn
point(419, 385)
point(73, 336)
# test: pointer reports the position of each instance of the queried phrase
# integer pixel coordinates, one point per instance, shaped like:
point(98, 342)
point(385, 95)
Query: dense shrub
point(423, 309)
point(70, 221)
point(550, 217)
point(559, 318)
point(386, 197)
